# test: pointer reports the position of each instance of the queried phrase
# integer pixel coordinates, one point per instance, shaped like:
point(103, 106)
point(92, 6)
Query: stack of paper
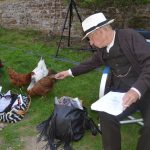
point(4, 101)
point(110, 103)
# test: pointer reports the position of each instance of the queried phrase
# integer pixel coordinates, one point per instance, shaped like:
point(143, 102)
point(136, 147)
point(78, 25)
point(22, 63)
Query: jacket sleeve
point(94, 62)
point(141, 52)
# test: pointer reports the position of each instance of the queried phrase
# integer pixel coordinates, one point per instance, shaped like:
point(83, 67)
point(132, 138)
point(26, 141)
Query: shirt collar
point(112, 43)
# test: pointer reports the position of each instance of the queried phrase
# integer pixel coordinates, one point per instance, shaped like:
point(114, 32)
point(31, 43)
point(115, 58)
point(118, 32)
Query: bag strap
point(67, 146)
point(69, 137)
point(46, 129)
point(90, 124)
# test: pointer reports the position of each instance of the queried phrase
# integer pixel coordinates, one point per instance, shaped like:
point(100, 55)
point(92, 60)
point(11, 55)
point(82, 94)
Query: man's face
point(98, 38)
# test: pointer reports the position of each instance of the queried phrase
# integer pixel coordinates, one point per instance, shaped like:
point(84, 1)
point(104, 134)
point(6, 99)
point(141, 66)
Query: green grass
point(21, 50)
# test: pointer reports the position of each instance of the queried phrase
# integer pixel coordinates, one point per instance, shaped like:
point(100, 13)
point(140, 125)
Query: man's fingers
point(62, 75)
point(129, 98)
point(59, 76)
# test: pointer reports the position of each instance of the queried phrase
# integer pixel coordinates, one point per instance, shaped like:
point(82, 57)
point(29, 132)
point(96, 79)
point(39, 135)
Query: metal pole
point(70, 21)
point(63, 29)
point(75, 7)
point(72, 5)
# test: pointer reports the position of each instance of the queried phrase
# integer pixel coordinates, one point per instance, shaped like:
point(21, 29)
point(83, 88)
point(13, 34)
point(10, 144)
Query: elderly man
point(128, 55)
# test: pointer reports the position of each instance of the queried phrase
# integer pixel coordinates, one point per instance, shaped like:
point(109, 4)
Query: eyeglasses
point(5, 96)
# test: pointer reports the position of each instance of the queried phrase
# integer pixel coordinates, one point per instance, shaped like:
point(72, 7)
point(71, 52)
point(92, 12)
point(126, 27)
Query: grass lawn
point(21, 50)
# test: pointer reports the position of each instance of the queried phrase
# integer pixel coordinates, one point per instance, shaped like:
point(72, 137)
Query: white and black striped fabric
point(17, 112)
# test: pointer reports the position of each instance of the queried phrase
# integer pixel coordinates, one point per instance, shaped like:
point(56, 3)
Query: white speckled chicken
point(38, 73)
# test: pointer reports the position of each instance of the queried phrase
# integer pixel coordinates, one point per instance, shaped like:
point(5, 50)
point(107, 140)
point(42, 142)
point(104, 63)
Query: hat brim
point(109, 22)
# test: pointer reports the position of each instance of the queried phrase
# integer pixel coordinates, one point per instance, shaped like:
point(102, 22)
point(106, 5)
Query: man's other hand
point(129, 98)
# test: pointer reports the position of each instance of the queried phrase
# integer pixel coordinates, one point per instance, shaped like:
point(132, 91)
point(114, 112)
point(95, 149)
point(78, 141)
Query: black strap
point(90, 124)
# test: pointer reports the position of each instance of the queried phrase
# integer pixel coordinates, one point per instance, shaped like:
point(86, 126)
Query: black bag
point(66, 124)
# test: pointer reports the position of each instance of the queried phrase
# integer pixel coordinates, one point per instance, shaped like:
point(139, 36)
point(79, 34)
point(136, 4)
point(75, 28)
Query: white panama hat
point(94, 22)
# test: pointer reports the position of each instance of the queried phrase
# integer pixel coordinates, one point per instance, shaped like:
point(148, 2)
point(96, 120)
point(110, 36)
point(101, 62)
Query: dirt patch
point(2, 126)
point(30, 143)
point(1, 141)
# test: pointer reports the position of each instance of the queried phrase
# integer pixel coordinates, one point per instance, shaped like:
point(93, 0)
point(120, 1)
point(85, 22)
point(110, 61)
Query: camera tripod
point(69, 14)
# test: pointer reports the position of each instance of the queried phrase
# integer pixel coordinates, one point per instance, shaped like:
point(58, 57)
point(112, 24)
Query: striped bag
point(14, 107)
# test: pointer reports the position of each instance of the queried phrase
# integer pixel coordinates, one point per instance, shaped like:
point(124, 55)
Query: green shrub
point(107, 3)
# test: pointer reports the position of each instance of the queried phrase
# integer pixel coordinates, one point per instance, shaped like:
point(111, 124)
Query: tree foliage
point(105, 3)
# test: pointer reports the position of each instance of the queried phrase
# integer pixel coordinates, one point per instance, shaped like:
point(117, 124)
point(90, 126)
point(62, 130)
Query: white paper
point(110, 103)
point(0, 89)
point(4, 102)
point(18, 101)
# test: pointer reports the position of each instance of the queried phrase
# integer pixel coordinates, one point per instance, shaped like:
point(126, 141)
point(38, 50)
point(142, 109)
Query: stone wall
point(49, 16)
point(45, 15)
point(134, 16)
point(37, 14)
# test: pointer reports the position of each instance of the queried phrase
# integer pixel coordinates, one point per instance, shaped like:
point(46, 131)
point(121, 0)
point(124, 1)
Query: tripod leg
point(63, 30)
point(70, 20)
point(75, 7)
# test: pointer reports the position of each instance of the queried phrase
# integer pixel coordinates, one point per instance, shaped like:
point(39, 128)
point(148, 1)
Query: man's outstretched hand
point(62, 75)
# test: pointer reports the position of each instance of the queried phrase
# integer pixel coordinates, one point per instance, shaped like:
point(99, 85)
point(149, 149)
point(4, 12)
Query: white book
point(110, 103)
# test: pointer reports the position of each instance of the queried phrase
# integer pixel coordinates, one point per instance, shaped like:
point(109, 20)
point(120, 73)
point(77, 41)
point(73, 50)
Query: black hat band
point(92, 28)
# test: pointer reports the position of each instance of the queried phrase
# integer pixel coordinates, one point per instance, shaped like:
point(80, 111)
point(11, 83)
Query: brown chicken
point(19, 79)
point(43, 86)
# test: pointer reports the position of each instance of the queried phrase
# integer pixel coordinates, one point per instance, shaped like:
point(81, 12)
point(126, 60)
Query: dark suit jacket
point(137, 51)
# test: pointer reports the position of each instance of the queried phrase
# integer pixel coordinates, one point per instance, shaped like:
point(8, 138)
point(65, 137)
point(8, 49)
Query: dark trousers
point(110, 126)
